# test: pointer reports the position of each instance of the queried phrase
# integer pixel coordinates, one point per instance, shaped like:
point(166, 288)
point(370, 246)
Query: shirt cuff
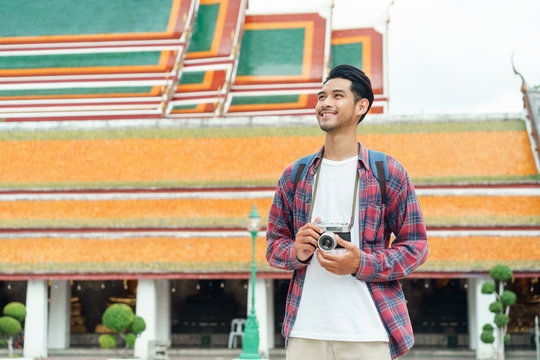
point(297, 262)
point(368, 266)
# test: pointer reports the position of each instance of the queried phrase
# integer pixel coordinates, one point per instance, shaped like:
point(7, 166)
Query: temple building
point(135, 137)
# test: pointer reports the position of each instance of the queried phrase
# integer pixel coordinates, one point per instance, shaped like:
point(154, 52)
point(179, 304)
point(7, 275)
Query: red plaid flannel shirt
point(381, 265)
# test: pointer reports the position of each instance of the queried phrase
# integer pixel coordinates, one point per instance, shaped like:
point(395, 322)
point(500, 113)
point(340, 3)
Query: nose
point(326, 102)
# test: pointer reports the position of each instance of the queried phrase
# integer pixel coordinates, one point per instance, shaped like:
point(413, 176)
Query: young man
point(346, 303)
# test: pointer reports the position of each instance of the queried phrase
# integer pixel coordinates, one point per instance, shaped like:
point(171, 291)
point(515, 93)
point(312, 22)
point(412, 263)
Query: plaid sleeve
point(280, 233)
point(409, 249)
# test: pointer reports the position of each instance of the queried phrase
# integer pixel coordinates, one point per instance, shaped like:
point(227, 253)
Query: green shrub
point(508, 297)
point(107, 341)
point(118, 317)
point(501, 307)
point(16, 310)
point(9, 325)
point(138, 325)
point(496, 307)
point(121, 319)
point(130, 339)
point(488, 288)
point(501, 320)
point(501, 273)
point(487, 337)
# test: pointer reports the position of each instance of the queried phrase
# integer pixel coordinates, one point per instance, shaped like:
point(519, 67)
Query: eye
point(321, 97)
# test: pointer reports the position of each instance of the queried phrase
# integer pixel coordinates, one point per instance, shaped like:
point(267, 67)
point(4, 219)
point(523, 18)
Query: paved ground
point(276, 354)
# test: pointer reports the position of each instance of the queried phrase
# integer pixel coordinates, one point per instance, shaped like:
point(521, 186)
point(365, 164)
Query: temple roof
point(492, 152)
point(174, 200)
point(132, 142)
point(87, 254)
point(169, 59)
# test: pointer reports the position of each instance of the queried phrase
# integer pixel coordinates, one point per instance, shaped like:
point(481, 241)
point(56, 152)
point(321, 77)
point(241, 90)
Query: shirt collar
point(363, 156)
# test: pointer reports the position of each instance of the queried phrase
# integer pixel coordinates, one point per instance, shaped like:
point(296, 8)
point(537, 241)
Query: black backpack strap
point(379, 169)
point(380, 177)
point(300, 168)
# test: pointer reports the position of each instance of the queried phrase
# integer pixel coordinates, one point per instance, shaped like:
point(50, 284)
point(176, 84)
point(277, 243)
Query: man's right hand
point(305, 243)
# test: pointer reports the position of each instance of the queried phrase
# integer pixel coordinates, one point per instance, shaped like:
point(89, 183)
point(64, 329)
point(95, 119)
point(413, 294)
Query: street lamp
point(250, 342)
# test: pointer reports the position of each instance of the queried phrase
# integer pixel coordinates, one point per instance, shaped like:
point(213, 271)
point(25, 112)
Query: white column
point(35, 329)
point(59, 315)
point(478, 316)
point(146, 308)
point(261, 311)
point(270, 313)
point(163, 292)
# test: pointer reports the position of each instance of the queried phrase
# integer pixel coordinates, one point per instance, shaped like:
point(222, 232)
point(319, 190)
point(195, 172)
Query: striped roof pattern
point(120, 197)
point(114, 59)
point(175, 200)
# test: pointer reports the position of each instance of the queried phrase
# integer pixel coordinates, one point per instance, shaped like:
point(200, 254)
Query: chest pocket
point(374, 226)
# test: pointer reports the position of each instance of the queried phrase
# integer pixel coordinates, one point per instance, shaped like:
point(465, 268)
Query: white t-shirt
point(336, 307)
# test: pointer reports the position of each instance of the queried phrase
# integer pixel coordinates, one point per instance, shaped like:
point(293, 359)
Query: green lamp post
point(250, 343)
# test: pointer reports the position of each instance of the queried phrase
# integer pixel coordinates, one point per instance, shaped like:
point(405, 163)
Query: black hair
point(361, 85)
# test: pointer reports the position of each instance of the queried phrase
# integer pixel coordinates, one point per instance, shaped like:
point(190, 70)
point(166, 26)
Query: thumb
point(346, 244)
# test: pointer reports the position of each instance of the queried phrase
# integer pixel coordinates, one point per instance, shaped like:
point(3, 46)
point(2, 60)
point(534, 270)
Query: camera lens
point(326, 241)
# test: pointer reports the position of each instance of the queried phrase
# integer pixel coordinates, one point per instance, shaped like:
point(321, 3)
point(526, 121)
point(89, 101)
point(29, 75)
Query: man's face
point(336, 107)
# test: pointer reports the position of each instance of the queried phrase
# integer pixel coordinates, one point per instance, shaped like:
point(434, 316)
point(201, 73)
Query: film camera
point(326, 241)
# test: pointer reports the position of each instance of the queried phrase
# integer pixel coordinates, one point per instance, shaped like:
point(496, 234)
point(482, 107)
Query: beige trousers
point(303, 349)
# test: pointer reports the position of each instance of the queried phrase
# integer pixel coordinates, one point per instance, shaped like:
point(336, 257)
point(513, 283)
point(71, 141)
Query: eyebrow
point(333, 91)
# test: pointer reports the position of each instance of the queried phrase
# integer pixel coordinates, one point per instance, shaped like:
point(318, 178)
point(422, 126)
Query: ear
point(362, 106)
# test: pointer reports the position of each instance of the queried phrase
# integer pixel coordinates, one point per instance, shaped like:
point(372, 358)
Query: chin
point(326, 127)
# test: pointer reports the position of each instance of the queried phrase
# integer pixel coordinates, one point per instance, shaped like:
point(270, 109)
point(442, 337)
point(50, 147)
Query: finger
point(326, 264)
point(329, 257)
point(311, 233)
point(314, 227)
point(312, 245)
point(306, 240)
point(346, 244)
point(320, 257)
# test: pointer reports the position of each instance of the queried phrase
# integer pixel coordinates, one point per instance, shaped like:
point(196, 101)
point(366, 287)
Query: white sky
point(454, 56)
point(447, 56)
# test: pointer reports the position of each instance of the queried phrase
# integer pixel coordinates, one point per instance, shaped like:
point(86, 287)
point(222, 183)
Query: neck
point(340, 146)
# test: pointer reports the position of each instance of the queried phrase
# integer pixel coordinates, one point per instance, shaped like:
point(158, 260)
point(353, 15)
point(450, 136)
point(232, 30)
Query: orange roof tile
point(165, 254)
point(437, 210)
point(247, 160)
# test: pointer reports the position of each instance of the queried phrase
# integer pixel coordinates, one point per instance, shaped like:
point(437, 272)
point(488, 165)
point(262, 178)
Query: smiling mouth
point(325, 113)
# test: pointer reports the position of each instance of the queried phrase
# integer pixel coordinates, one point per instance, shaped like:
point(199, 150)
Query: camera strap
point(355, 193)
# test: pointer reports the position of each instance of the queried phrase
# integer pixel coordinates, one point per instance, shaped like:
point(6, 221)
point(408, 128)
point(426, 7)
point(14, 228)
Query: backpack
point(377, 164)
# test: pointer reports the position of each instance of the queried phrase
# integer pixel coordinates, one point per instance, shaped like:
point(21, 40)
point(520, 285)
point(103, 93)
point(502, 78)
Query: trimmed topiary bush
point(130, 339)
point(15, 310)
point(488, 288)
point(121, 319)
point(118, 317)
point(496, 307)
point(137, 325)
point(500, 273)
point(508, 297)
point(501, 309)
point(487, 337)
point(107, 341)
point(11, 323)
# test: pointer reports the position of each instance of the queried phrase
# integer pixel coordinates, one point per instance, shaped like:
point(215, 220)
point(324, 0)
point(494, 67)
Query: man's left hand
point(341, 264)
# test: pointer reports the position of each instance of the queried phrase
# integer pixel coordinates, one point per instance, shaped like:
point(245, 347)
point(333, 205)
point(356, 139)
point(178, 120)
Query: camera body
point(326, 241)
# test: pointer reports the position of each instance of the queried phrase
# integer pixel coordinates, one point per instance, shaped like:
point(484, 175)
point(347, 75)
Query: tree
point(11, 323)
point(500, 307)
point(121, 319)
